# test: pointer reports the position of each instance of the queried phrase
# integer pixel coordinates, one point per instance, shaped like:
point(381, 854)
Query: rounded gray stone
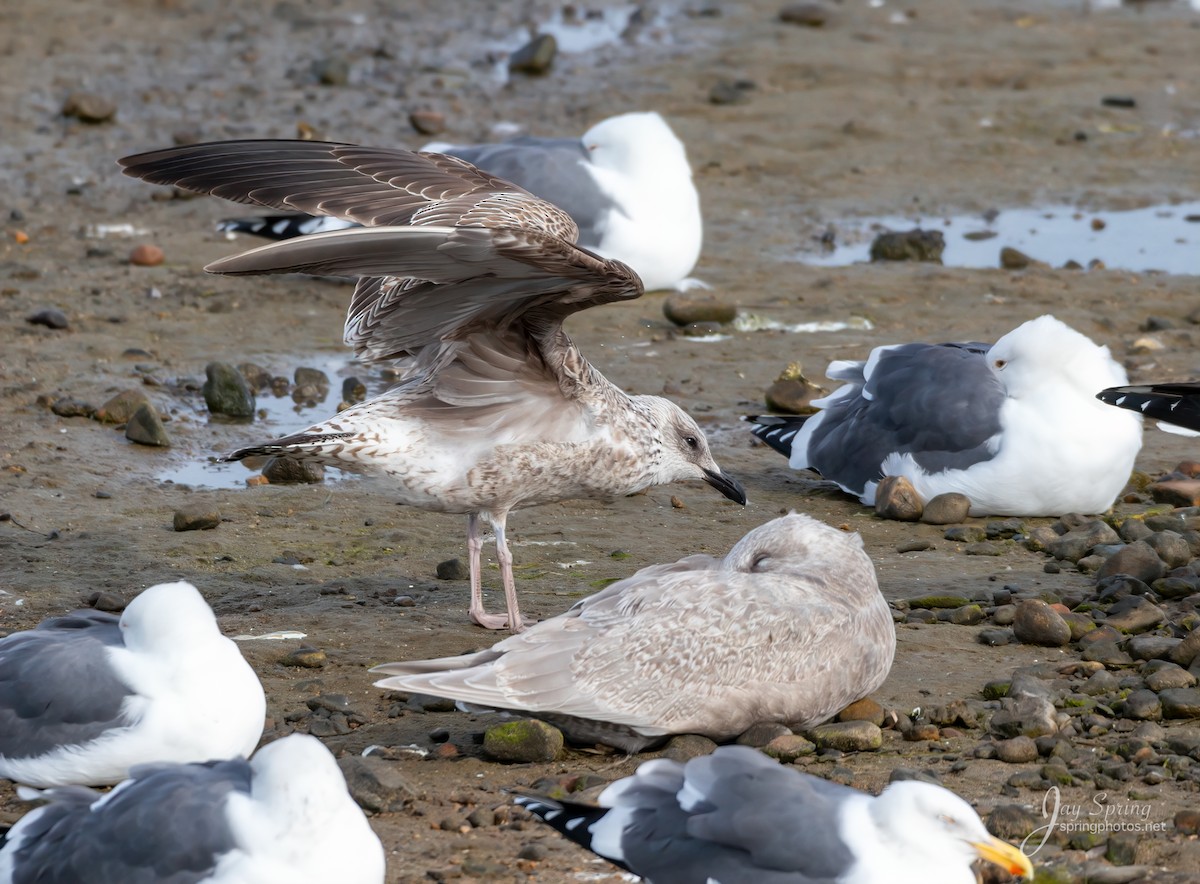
point(1018, 750)
point(1180, 703)
point(686, 308)
point(226, 391)
point(1143, 705)
point(1170, 547)
point(946, 509)
point(145, 427)
point(1137, 559)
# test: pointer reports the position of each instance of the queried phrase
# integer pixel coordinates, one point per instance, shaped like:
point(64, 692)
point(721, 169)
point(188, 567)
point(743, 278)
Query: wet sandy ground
point(949, 108)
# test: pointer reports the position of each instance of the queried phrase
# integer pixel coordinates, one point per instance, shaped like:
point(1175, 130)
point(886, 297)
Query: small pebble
point(306, 658)
point(145, 427)
point(196, 517)
point(535, 57)
point(50, 317)
point(146, 255)
point(452, 569)
point(88, 107)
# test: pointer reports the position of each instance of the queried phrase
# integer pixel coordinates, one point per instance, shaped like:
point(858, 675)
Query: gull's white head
point(168, 617)
point(637, 143)
point(1046, 350)
point(679, 449)
point(926, 827)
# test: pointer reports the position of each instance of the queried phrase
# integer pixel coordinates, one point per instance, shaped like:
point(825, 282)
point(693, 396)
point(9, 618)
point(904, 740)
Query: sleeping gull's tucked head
point(1046, 349)
point(637, 143)
point(166, 617)
point(681, 449)
point(923, 822)
point(798, 544)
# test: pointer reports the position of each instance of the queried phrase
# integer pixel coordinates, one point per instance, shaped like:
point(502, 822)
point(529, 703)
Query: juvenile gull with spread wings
point(738, 816)
point(285, 815)
point(472, 278)
point(85, 696)
point(626, 183)
point(1014, 426)
point(790, 626)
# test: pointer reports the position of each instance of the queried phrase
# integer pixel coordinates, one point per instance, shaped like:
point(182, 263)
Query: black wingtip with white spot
point(777, 430)
point(278, 227)
point(1176, 404)
point(574, 821)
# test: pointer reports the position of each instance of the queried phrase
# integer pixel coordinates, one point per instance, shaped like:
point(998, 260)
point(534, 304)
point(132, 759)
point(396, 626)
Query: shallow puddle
point(1164, 238)
point(275, 416)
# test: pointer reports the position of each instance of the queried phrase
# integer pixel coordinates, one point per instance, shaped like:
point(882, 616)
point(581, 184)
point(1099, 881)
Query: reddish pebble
point(1061, 608)
point(146, 255)
point(446, 750)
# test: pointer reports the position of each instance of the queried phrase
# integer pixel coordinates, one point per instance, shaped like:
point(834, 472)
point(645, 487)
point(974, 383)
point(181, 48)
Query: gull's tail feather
point(303, 446)
point(573, 821)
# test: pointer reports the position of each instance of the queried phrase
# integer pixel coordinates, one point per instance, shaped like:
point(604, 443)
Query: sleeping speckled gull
point(1176, 406)
point(790, 626)
point(498, 408)
point(1014, 426)
point(626, 183)
point(86, 696)
point(737, 816)
point(283, 816)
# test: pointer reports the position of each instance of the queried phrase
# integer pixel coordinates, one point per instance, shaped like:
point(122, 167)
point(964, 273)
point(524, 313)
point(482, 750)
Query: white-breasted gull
point(788, 627)
point(1014, 426)
point(283, 816)
point(472, 278)
point(737, 816)
point(86, 696)
point(1175, 406)
point(626, 183)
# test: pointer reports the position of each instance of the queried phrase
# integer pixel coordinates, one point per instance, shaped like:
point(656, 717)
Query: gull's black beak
point(727, 485)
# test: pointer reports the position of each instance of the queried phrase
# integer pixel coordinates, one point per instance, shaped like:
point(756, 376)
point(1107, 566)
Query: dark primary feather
point(777, 430)
point(1177, 404)
point(374, 186)
point(166, 825)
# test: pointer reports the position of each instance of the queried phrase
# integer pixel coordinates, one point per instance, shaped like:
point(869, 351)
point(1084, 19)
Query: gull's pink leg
point(506, 574)
point(475, 553)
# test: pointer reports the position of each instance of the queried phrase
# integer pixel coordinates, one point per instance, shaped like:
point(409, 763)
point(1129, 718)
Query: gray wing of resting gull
point(285, 815)
point(473, 278)
point(790, 626)
point(938, 402)
point(165, 825)
point(1015, 427)
point(54, 689)
point(85, 697)
point(736, 816)
point(626, 183)
point(1177, 405)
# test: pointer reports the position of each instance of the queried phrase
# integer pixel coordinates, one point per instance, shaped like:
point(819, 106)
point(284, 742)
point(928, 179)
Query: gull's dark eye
point(1000, 363)
point(692, 442)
